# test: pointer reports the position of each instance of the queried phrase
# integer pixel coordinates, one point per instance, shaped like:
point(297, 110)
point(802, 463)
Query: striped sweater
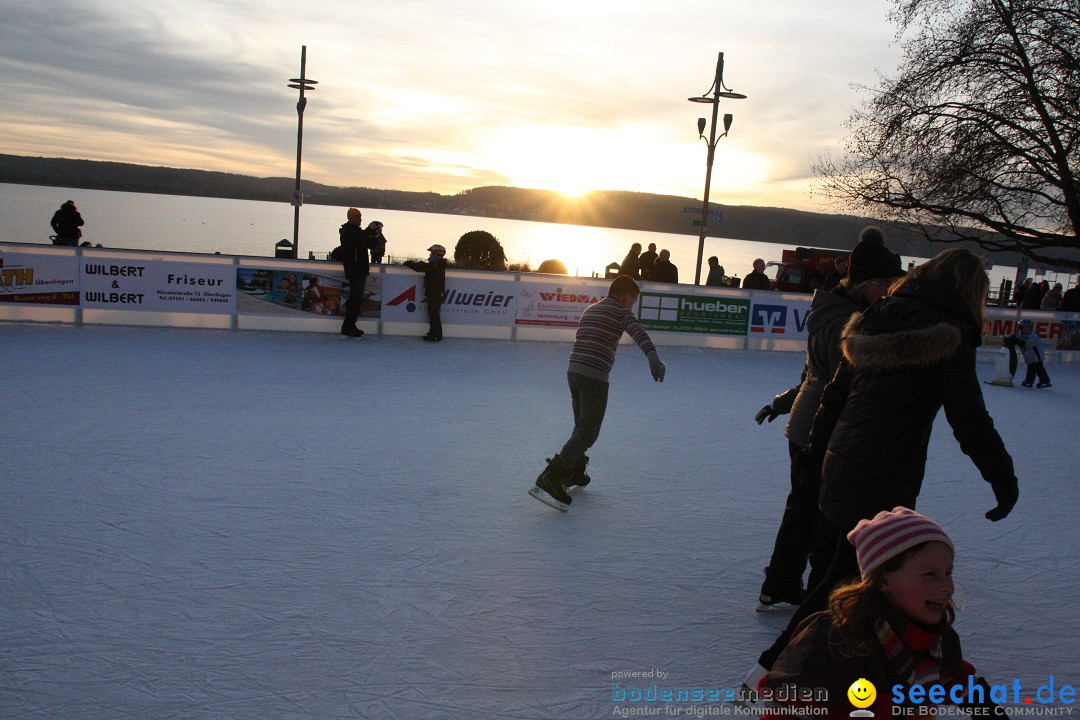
point(599, 331)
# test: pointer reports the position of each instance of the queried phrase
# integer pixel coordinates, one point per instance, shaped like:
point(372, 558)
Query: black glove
point(766, 412)
point(1006, 494)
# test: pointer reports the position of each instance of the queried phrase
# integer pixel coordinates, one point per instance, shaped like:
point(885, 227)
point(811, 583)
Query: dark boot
point(553, 478)
point(578, 476)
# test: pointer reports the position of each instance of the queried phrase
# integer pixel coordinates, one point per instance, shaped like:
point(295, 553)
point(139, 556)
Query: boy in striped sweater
point(601, 327)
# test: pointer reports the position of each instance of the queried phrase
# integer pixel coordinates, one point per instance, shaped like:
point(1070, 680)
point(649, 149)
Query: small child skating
point(892, 627)
point(434, 269)
point(1029, 343)
point(601, 327)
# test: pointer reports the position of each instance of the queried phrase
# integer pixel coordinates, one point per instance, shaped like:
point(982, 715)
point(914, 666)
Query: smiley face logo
point(862, 693)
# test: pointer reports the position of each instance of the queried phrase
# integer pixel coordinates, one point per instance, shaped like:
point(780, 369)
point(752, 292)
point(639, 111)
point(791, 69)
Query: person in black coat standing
point(66, 223)
point(355, 243)
point(908, 356)
point(434, 269)
point(664, 270)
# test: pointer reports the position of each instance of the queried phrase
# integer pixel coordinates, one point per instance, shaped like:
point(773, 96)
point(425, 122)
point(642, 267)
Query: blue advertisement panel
point(782, 319)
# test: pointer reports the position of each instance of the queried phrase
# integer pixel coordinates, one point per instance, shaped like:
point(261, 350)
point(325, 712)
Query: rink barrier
point(101, 286)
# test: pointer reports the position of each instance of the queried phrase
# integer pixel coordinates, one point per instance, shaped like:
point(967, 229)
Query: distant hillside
point(615, 209)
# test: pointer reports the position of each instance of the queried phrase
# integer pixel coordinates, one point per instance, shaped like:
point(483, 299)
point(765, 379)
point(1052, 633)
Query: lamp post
point(301, 83)
point(718, 90)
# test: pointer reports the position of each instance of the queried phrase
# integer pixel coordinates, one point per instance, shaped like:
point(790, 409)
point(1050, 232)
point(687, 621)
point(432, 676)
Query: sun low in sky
point(567, 96)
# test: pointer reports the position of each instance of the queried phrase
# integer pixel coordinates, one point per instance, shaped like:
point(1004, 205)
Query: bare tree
point(979, 136)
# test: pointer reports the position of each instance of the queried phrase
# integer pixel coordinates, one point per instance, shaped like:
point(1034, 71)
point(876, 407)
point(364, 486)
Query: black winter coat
point(66, 222)
point(829, 314)
point(664, 272)
point(356, 242)
point(905, 358)
point(434, 276)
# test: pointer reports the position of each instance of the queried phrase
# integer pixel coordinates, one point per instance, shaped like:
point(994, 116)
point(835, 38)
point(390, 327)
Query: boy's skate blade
point(547, 499)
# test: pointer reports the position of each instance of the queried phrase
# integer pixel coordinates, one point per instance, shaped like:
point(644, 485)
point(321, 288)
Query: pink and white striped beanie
point(891, 533)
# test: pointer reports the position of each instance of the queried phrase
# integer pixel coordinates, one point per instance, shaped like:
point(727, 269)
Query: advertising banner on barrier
point(263, 291)
point(1056, 333)
point(779, 320)
point(556, 303)
point(137, 284)
point(468, 300)
point(669, 312)
point(39, 279)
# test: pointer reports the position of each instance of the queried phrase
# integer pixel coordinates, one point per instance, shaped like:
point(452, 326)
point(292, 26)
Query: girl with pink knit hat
point(891, 627)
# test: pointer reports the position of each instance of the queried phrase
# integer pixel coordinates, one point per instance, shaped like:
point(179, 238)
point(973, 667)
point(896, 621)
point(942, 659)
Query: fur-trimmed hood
point(919, 326)
point(903, 349)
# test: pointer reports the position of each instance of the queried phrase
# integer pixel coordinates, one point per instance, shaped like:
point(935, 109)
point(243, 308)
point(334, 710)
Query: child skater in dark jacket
point(887, 632)
point(434, 269)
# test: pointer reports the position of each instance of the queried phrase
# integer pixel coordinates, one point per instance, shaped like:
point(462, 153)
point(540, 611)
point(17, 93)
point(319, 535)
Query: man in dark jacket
point(434, 270)
point(757, 280)
point(355, 243)
point(646, 260)
point(664, 270)
point(66, 223)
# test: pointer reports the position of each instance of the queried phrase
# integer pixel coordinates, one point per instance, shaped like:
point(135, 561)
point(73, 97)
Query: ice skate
point(549, 486)
point(780, 602)
point(578, 477)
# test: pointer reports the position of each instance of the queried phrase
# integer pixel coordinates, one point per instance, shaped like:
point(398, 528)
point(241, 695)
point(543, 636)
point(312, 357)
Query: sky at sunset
point(446, 96)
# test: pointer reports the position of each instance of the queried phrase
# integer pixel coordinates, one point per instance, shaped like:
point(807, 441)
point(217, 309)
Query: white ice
point(209, 524)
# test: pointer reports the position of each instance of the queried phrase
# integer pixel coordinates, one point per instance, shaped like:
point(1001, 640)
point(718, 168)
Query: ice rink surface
point(208, 524)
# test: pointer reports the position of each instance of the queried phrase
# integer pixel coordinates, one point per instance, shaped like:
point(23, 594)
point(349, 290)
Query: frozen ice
point(208, 524)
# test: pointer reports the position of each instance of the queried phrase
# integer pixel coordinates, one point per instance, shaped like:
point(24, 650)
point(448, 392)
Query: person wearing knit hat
point(907, 357)
point(890, 533)
point(871, 259)
point(355, 244)
point(892, 627)
point(803, 536)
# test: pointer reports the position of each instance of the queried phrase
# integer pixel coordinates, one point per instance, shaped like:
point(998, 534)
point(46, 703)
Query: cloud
point(412, 94)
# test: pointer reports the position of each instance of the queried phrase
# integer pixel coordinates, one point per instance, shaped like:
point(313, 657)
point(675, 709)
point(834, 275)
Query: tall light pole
point(301, 83)
point(718, 90)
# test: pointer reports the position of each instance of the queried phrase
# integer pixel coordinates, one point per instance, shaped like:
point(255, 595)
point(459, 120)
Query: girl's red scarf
point(914, 650)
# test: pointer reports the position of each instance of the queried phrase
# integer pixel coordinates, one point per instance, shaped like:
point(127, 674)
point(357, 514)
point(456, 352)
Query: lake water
point(248, 227)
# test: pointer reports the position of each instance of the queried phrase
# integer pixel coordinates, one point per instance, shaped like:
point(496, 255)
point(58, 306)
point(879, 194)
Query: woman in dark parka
point(907, 357)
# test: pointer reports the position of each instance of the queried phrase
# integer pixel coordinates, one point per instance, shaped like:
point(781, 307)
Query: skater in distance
point(434, 269)
point(592, 356)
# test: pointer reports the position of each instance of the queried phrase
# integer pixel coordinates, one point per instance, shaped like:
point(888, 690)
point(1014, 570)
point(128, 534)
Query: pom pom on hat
point(890, 533)
point(871, 259)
